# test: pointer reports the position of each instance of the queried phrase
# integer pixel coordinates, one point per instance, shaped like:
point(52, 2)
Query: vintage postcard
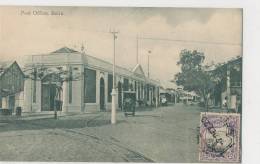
point(120, 84)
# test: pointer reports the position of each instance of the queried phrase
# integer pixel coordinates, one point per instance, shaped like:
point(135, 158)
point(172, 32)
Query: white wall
point(36, 106)
point(26, 99)
point(27, 96)
point(77, 103)
point(4, 102)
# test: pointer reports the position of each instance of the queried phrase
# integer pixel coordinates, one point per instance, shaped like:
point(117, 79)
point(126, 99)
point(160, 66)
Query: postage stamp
point(219, 137)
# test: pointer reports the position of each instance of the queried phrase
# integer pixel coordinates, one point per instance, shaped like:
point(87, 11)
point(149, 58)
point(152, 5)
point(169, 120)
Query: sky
point(24, 34)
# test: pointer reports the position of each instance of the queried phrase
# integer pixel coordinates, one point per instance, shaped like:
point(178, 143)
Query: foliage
point(51, 74)
point(194, 76)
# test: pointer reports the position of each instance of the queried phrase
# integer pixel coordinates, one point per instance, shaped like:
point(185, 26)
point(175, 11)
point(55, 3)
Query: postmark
point(219, 137)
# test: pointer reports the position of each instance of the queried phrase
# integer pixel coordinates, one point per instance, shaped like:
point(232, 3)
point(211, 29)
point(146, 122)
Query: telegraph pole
point(148, 65)
point(137, 49)
point(113, 109)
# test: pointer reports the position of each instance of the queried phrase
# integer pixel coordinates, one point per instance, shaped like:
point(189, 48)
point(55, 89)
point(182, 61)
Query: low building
point(89, 85)
point(187, 97)
point(11, 85)
point(228, 92)
point(170, 94)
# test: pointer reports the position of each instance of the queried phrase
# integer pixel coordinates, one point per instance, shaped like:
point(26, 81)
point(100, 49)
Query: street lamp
point(113, 94)
point(148, 75)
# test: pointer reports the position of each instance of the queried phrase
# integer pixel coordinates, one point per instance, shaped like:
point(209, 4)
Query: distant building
point(91, 90)
point(186, 97)
point(228, 92)
point(11, 85)
point(170, 94)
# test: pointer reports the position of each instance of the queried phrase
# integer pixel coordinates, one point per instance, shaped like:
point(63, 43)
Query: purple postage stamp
point(219, 137)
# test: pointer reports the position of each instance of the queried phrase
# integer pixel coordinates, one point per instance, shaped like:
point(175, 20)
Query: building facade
point(11, 85)
point(87, 86)
point(228, 91)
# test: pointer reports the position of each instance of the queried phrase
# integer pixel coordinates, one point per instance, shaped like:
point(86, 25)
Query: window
point(34, 84)
point(126, 84)
point(70, 91)
point(110, 87)
point(139, 91)
point(131, 87)
point(142, 91)
point(147, 91)
point(70, 85)
point(89, 86)
point(0, 102)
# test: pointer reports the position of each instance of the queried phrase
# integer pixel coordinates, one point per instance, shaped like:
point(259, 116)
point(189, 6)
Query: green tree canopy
point(194, 76)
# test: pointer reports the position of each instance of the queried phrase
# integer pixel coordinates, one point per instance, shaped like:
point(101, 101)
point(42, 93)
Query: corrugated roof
point(4, 65)
point(65, 50)
point(101, 64)
point(96, 62)
point(236, 60)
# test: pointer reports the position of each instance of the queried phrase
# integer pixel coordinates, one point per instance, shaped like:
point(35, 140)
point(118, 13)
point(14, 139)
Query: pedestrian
point(154, 100)
point(224, 104)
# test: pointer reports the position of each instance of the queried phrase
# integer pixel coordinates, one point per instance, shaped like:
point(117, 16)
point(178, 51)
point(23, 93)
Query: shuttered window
point(147, 91)
point(0, 102)
point(126, 85)
point(70, 85)
point(110, 87)
point(89, 86)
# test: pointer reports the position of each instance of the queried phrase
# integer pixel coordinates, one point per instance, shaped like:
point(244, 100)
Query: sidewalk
point(42, 115)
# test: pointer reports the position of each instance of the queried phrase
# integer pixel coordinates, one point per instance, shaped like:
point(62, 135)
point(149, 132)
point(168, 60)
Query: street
point(164, 134)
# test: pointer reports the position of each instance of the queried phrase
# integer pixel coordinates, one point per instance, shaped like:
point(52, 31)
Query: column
point(65, 95)
point(82, 89)
point(4, 103)
point(228, 87)
point(27, 95)
point(156, 97)
point(137, 90)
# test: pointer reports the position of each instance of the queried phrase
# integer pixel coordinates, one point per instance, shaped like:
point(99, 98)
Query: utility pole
point(137, 61)
point(148, 65)
point(113, 109)
point(228, 97)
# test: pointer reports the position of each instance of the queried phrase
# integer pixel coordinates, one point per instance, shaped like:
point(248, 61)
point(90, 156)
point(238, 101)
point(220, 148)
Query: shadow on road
point(50, 123)
point(143, 115)
point(98, 123)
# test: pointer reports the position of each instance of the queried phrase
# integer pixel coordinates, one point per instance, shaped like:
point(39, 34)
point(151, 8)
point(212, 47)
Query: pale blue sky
point(22, 35)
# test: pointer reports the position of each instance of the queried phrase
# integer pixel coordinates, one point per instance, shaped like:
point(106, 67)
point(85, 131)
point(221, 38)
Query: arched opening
point(119, 87)
point(102, 94)
point(131, 87)
point(51, 93)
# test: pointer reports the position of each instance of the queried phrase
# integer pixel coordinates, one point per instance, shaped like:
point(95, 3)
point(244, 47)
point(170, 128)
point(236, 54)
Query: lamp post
point(113, 94)
point(148, 75)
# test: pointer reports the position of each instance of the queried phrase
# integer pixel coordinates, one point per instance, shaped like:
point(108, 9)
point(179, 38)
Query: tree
point(194, 76)
point(54, 75)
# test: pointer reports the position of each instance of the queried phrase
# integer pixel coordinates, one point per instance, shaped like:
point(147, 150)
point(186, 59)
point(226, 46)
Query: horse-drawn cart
point(129, 102)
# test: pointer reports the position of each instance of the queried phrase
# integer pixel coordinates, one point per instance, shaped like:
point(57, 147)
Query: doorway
point(50, 92)
point(48, 97)
point(11, 103)
point(102, 94)
point(119, 86)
